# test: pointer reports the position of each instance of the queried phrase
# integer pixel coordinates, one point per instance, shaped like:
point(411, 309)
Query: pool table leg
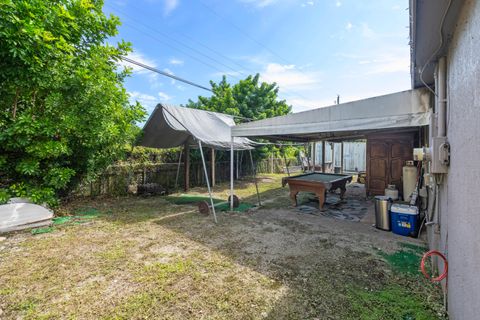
point(321, 198)
point(293, 197)
point(342, 192)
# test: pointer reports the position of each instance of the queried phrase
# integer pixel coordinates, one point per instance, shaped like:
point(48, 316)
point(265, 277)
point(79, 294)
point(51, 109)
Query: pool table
point(317, 183)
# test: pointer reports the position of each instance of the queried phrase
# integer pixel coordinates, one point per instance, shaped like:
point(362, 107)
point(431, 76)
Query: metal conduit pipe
point(442, 97)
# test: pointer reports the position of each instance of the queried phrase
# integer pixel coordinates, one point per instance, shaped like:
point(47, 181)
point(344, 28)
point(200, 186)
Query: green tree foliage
point(64, 113)
point(250, 99)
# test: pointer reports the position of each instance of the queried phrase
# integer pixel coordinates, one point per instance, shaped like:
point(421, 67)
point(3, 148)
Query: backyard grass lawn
point(148, 258)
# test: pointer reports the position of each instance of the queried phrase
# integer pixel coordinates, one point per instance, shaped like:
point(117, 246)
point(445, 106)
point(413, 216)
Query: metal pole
point(178, 169)
point(208, 182)
point(254, 176)
point(236, 165)
point(314, 155)
point(212, 166)
point(231, 174)
point(342, 156)
point(323, 157)
point(285, 159)
point(186, 169)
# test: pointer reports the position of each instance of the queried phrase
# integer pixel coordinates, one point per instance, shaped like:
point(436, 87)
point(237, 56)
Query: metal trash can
point(382, 212)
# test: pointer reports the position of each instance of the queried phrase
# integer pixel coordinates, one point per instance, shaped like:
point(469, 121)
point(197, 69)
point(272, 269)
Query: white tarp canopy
point(406, 109)
point(170, 126)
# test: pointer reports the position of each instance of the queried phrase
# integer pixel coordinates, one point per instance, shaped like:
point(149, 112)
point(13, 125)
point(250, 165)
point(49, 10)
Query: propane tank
point(409, 175)
point(391, 192)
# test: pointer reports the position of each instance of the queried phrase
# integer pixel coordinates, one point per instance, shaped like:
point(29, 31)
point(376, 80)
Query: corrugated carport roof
point(401, 110)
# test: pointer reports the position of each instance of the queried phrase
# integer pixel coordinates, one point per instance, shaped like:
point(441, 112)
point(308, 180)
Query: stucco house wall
point(460, 192)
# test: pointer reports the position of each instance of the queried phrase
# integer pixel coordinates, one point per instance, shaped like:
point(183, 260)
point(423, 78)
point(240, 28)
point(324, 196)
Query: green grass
point(241, 208)
point(393, 302)
point(406, 260)
point(42, 230)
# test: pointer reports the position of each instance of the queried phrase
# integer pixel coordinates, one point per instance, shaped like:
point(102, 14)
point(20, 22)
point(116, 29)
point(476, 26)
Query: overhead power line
point(191, 49)
point(244, 33)
point(163, 73)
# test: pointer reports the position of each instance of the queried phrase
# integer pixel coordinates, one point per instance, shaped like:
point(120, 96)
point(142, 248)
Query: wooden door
point(386, 156)
point(377, 166)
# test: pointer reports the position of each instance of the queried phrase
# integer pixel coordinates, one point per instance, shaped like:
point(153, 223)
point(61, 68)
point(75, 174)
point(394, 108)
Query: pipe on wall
point(442, 98)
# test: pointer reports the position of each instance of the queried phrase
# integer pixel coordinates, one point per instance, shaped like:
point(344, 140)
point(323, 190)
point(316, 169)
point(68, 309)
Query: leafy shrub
point(64, 113)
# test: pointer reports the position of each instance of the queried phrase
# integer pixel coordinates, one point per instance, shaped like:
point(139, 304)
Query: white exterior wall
point(460, 192)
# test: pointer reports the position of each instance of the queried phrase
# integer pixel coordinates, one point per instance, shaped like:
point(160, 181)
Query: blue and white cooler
point(404, 219)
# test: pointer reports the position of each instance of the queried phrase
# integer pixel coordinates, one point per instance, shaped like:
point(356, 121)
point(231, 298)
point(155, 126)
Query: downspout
point(442, 98)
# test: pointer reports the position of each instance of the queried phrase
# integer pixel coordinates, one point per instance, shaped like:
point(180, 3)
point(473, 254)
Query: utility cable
point(197, 51)
point(166, 74)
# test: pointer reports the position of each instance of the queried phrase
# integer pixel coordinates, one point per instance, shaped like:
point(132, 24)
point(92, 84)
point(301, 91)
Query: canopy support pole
point(236, 165)
point(314, 155)
point(208, 182)
point(212, 166)
point(285, 160)
point(231, 174)
point(178, 170)
point(341, 160)
point(323, 156)
point(186, 156)
point(254, 169)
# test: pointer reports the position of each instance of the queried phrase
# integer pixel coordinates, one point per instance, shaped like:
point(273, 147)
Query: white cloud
point(367, 32)
point(308, 3)
point(164, 97)
point(138, 57)
point(141, 97)
point(297, 86)
point(385, 60)
point(389, 64)
point(152, 77)
point(169, 6)
point(172, 81)
point(176, 62)
point(260, 3)
point(349, 26)
point(289, 76)
point(147, 101)
point(338, 3)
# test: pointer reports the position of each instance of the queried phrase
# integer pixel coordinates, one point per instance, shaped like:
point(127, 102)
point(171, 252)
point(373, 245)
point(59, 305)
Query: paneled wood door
point(386, 156)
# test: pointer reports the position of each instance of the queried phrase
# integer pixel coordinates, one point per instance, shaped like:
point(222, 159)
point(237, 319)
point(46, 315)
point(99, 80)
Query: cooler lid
point(404, 209)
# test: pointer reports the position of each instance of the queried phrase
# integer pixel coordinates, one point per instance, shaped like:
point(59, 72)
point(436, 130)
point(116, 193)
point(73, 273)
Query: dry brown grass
point(150, 259)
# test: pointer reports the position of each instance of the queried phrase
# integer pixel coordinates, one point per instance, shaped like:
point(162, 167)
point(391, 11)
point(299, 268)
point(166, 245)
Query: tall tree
point(249, 98)
point(64, 113)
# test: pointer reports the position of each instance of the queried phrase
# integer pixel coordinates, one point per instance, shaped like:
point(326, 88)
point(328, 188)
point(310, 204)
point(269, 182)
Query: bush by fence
point(124, 179)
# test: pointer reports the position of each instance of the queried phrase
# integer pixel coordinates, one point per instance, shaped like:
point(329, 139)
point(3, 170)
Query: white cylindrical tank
point(391, 192)
point(409, 175)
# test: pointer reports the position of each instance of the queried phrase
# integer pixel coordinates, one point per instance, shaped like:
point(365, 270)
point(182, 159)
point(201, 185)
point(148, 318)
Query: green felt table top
point(320, 177)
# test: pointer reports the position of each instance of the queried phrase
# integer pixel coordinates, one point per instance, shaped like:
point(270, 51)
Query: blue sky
point(314, 49)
